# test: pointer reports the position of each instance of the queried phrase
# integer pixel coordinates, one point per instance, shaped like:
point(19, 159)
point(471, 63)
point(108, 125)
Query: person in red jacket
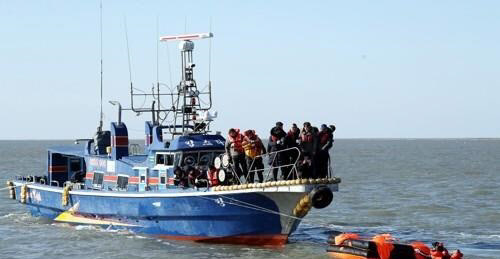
point(234, 148)
point(212, 176)
point(438, 251)
point(292, 141)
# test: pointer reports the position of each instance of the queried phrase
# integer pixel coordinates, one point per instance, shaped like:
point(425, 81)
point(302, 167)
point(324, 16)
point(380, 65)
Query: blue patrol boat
point(106, 181)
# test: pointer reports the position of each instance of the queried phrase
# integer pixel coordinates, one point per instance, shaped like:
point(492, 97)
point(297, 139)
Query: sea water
point(428, 190)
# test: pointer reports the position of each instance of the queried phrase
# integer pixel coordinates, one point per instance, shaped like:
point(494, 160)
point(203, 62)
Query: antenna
point(100, 27)
point(210, 53)
point(185, 24)
point(129, 64)
point(157, 66)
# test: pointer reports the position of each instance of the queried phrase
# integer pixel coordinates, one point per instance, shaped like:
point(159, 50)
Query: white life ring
point(225, 160)
point(217, 163)
point(221, 175)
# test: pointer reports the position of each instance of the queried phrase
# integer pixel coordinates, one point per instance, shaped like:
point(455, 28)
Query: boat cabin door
point(143, 174)
point(164, 164)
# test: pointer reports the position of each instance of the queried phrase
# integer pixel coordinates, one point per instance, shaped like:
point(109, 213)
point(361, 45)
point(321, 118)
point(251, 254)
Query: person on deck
point(308, 147)
point(277, 143)
point(325, 142)
point(234, 148)
point(212, 175)
point(254, 148)
point(292, 142)
point(180, 178)
point(78, 177)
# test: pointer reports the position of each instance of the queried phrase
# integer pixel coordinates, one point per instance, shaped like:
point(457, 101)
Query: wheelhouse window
point(97, 180)
point(169, 159)
point(163, 179)
point(205, 158)
point(122, 182)
point(165, 159)
point(198, 158)
point(75, 165)
point(190, 159)
point(160, 159)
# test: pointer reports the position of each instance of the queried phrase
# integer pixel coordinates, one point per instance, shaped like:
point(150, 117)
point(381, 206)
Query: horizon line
point(349, 138)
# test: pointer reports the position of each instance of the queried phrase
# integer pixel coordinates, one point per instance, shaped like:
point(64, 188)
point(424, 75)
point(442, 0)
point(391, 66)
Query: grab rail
point(271, 164)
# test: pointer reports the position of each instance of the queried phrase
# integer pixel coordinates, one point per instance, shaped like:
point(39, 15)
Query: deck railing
point(272, 162)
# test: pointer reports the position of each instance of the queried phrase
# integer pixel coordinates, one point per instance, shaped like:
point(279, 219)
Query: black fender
point(321, 197)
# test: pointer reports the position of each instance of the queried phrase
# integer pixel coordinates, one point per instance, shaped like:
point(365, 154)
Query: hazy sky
point(386, 69)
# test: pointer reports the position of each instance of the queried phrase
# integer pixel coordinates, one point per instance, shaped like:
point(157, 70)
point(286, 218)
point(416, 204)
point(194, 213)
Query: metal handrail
point(272, 167)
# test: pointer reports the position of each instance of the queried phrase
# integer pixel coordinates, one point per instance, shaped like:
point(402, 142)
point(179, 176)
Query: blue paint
point(202, 216)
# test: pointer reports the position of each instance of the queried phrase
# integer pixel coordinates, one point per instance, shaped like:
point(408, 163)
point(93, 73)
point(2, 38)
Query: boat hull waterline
point(257, 216)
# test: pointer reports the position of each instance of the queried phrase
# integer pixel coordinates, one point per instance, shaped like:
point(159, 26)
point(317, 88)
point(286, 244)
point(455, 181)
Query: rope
point(262, 209)
point(8, 187)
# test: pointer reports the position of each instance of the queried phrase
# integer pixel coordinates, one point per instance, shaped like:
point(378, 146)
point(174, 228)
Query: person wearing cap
point(254, 148)
point(275, 144)
point(234, 148)
point(325, 142)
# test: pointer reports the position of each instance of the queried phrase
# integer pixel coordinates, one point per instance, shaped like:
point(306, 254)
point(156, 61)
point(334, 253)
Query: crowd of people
point(305, 149)
point(246, 149)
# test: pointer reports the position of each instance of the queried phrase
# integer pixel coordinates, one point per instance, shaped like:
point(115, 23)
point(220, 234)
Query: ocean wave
point(480, 236)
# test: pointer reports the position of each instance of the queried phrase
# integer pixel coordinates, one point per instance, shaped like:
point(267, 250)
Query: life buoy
point(217, 162)
point(225, 160)
point(221, 176)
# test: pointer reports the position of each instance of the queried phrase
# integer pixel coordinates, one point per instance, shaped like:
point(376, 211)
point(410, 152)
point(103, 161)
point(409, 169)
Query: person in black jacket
point(325, 142)
point(277, 143)
point(292, 141)
point(308, 147)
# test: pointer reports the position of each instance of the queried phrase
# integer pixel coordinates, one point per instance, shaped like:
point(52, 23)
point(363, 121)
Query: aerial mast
point(188, 107)
point(99, 129)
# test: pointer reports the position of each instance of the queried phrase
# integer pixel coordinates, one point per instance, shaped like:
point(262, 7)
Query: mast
point(99, 129)
point(189, 106)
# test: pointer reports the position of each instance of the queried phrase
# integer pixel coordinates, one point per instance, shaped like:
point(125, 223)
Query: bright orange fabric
point(344, 236)
point(457, 255)
point(384, 245)
point(422, 251)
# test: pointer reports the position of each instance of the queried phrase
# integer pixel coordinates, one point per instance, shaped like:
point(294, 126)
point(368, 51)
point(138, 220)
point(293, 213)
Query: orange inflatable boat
point(350, 246)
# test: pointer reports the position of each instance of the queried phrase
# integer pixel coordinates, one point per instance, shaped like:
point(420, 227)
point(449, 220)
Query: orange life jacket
point(384, 245)
point(323, 137)
point(457, 255)
point(253, 147)
point(212, 177)
point(440, 254)
point(307, 137)
point(236, 142)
